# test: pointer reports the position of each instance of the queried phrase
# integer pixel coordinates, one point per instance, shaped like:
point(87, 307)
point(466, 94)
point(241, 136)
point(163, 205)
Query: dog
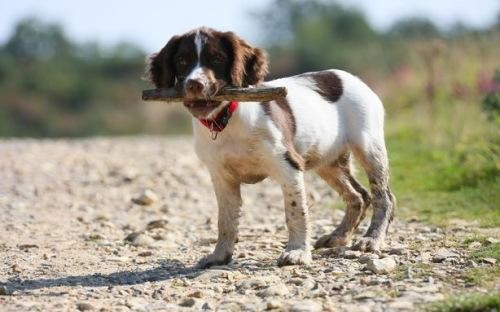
point(327, 118)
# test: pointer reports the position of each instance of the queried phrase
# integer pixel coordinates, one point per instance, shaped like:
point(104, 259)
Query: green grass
point(438, 175)
point(468, 303)
point(491, 251)
point(418, 270)
point(483, 276)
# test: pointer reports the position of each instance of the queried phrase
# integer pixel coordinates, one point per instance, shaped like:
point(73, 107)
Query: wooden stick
point(226, 94)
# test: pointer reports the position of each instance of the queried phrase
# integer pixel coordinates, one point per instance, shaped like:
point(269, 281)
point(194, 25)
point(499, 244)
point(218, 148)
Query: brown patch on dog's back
point(328, 84)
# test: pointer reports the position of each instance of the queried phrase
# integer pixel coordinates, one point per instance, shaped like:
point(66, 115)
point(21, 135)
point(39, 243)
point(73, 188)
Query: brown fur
point(281, 114)
point(328, 85)
point(250, 65)
point(227, 58)
point(339, 176)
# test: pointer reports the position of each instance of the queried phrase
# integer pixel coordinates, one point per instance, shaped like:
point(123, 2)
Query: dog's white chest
point(231, 156)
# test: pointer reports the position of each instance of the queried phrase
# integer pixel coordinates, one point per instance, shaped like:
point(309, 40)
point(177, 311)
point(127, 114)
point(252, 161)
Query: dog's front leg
point(229, 201)
point(296, 211)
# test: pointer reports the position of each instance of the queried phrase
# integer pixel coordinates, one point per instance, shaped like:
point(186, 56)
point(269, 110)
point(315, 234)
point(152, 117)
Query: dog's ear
point(249, 65)
point(161, 70)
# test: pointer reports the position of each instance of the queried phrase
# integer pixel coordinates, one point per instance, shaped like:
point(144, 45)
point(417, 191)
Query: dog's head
point(204, 60)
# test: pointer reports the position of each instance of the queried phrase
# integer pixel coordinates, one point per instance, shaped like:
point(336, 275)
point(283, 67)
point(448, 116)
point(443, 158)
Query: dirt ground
point(76, 235)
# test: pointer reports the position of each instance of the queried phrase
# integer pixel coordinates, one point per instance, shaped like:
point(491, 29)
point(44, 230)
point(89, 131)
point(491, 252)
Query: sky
point(150, 23)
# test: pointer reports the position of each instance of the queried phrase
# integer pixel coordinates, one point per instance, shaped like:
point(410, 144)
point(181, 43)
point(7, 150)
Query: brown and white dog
point(326, 117)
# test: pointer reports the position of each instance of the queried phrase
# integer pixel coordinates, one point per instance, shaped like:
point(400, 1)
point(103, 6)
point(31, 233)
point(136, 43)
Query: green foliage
point(491, 102)
point(50, 86)
point(414, 27)
point(468, 303)
point(311, 35)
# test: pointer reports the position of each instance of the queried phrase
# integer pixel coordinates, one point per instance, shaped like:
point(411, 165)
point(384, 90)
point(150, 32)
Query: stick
point(226, 94)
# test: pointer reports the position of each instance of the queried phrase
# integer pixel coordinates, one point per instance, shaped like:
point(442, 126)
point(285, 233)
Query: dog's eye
point(182, 62)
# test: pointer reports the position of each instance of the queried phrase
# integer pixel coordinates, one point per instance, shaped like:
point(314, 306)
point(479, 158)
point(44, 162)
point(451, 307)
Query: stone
point(351, 254)
point(273, 304)
point(157, 224)
point(398, 250)
point(275, 290)
point(306, 306)
point(4, 291)
point(442, 254)
point(491, 261)
point(146, 198)
point(490, 241)
point(188, 302)
point(253, 283)
point(367, 257)
point(139, 239)
point(145, 254)
point(135, 305)
point(381, 266)
point(474, 245)
point(206, 306)
point(196, 294)
point(84, 306)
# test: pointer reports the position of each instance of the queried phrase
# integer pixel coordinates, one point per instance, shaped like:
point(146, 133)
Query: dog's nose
point(194, 86)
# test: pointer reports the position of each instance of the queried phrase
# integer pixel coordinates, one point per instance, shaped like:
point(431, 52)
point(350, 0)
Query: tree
point(414, 27)
point(35, 40)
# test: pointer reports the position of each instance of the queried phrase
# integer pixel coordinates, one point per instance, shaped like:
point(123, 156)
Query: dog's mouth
point(201, 108)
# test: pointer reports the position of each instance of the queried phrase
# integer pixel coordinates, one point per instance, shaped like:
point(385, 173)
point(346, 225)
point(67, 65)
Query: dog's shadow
point(165, 270)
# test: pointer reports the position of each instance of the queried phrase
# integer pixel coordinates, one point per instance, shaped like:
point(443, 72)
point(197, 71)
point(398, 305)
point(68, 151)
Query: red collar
point(220, 121)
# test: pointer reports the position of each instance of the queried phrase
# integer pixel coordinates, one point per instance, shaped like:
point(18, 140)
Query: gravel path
point(79, 231)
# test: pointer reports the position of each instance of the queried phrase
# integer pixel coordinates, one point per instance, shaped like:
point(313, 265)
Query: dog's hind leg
point(339, 176)
point(373, 158)
point(229, 201)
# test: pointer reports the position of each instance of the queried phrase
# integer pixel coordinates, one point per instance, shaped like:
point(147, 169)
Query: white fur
point(251, 145)
point(328, 128)
point(198, 73)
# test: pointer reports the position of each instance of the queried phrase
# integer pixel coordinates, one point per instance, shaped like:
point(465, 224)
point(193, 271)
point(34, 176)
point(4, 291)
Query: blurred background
point(73, 70)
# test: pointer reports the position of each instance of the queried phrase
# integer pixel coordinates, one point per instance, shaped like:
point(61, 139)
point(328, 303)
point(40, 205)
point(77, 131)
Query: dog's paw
point(367, 244)
point(330, 240)
point(213, 259)
point(294, 257)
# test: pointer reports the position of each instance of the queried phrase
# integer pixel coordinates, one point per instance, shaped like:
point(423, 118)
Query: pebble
point(147, 197)
point(490, 241)
point(474, 245)
point(135, 305)
point(367, 257)
point(275, 290)
point(254, 283)
point(196, 294)
point(4, 291)
point(145, 254)
point(491, 261)
point(400, 250)
point(188, 302)
point(84, 306)
point(157, 224)
point(139, 239)
point(351, 254)
point(381, 266)
point(273, 304)
point(306, 306)
point(206, 306)
point(442, 254)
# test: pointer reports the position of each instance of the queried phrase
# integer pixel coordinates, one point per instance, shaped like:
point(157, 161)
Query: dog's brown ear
point(161, 70)
point(249, 64)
